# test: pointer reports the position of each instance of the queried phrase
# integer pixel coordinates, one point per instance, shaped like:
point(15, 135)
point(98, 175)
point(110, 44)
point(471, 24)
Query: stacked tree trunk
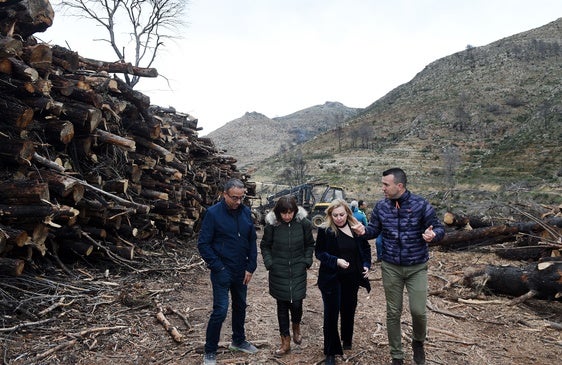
point(87, 164)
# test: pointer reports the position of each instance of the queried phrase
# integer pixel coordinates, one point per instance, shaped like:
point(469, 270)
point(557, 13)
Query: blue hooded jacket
point(402, 222)
point(228, 239)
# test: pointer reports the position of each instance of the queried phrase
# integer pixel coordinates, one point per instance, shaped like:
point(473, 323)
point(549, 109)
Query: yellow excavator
point(314, 197)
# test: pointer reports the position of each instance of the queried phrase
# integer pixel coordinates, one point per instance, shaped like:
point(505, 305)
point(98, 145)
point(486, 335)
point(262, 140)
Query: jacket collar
point(270, 217)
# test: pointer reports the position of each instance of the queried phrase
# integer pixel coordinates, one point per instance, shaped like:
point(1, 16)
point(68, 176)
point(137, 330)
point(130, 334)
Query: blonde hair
point(329, 222)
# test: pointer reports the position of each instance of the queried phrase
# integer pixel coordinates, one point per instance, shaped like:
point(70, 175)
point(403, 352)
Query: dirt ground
point(107, 314)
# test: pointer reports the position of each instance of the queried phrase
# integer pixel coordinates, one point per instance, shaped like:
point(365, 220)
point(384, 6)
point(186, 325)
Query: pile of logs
point(87, 164)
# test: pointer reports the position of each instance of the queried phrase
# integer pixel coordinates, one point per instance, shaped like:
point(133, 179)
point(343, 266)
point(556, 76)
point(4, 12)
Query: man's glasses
point(236, 198)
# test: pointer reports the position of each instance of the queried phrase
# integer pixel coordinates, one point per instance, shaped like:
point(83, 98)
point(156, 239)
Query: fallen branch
point(444, 312)
point(25, 324)
point(173, 331)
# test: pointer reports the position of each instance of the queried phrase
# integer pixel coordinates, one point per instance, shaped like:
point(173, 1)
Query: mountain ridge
point(487, 117)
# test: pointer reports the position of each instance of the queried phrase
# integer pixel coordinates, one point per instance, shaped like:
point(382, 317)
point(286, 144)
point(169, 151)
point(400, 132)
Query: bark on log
point(21, 70)
point(24, 192)
point(14, 112)
point(10, 47)
point(60, 184)
point(464, 221)
point(524, 253)
point(48, 163)
point(16, 151)
point(39, 56)
point(110, 138)
point(542, 280)
point(26, 18)
point(59, 131)
point(477, 235)
point(12, 267)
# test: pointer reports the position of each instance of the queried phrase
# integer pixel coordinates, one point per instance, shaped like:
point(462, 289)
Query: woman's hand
point(365, 272)
point(342, 263)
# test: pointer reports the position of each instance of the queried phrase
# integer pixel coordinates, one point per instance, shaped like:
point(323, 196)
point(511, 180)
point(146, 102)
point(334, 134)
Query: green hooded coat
point(287, 250)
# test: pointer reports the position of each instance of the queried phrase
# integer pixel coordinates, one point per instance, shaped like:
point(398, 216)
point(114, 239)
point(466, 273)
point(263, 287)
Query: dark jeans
point(339, 301)
point(223, 282)
point(283, 309)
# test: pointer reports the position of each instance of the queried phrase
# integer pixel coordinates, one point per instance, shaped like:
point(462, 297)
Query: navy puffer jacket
point(402, 223)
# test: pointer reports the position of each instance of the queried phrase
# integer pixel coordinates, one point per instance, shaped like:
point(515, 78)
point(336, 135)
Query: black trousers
point(284, 307)
point(340, 302)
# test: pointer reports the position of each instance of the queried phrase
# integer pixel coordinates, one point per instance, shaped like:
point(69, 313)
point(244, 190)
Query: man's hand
point(428, 235)
point(247, 277)
point(359, 229)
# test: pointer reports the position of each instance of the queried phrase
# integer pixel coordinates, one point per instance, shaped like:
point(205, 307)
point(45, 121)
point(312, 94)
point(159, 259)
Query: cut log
point(167, 155)
point(14, 112)
point(469, 237)
point(22, 70)
point(16, 151)
point(12, 236)
point(10, 47)
point(110, 138)
point(53, 165)
point(59, 131)
point(542, 280)
point(11, 267)
point(525, 253)
point(60, 184)
point(24, 192)
point(464, 221)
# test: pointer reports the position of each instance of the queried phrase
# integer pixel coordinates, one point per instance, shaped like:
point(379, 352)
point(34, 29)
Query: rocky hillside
point(254, 137)
point(487, 118)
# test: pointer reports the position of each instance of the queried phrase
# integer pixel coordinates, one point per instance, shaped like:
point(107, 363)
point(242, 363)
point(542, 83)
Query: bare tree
point(339, 135)
point(451, 161)
point(366, 132)
point(138, 25)
point(300, 167)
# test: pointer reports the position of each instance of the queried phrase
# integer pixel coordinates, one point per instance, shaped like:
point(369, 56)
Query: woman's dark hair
point(285, 204)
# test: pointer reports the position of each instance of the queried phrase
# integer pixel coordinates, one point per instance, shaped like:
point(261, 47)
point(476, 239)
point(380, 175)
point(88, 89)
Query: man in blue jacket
point(407, 223)
point(227, 243)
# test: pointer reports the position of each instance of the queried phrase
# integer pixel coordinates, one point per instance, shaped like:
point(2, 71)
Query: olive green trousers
point(414, 279)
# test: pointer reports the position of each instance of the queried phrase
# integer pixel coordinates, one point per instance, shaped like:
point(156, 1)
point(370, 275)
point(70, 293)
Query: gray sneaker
point(210, 359)
point(245, 346)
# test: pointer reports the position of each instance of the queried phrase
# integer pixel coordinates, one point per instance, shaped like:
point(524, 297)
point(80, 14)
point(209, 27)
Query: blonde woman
point(345, 260)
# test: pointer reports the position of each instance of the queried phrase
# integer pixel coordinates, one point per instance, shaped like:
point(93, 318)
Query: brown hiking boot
point(297, 338)
point(285, 346)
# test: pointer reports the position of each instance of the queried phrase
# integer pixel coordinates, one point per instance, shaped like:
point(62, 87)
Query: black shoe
point(330, 360)
point(419, 353)
point(397, 362)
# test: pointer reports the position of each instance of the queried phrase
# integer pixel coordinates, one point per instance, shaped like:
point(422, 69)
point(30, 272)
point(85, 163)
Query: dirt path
point(108, 317)
point(487, 332)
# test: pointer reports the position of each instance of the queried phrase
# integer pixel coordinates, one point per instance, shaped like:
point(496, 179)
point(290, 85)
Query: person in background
point(345, 260)
point(357, 213)
point(227, 243)
point(287, 246)
point(362, 206)
point(407, 223)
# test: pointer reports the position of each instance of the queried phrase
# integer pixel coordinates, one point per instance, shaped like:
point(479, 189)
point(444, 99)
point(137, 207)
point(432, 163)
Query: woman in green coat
point(287, 246)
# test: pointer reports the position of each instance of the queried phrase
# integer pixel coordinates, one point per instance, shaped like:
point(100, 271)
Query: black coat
point(327, 251)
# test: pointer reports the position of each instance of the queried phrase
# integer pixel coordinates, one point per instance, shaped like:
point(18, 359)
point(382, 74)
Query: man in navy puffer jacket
point(227, 243)
point(407, 223)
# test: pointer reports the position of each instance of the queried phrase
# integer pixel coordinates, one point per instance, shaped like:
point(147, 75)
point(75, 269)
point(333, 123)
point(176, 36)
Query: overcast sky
point(276, 57)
